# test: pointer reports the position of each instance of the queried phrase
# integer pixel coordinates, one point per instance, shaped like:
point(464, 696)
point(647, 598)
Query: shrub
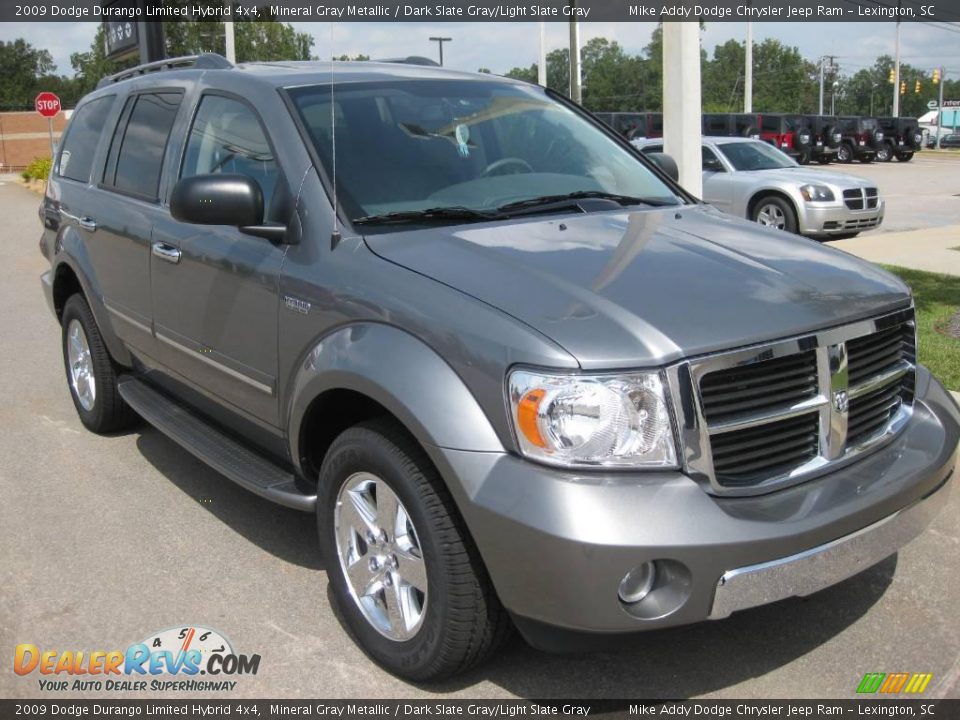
point(39, 169)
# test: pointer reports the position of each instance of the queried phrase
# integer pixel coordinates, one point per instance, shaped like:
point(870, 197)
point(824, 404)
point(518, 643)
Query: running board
point(218, 450)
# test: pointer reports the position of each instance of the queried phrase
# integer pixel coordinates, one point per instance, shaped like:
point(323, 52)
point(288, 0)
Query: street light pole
point(940, 109)
point(575, 82)
point(440, 41)
point(748, 72)
point(896, 73)
point(542, 57)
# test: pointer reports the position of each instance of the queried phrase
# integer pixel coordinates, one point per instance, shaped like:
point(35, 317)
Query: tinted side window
point(770, 123)
point(83, 135)
point(227, 137)
point(136, 158)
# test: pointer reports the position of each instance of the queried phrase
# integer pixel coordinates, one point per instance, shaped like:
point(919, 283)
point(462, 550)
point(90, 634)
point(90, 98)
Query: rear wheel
point(845, 153)
point(408, 581)
point(885, 153)
point(91, 373)
point(775, 212)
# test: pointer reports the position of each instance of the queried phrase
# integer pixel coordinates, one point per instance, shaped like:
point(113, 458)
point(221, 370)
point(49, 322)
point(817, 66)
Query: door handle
point(167, 253)
point(87, 223)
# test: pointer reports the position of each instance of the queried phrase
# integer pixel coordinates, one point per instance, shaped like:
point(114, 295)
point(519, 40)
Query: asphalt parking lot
point(104, 540)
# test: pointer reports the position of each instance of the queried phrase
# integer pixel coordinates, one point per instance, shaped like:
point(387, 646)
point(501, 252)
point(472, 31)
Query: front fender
point(400, 372)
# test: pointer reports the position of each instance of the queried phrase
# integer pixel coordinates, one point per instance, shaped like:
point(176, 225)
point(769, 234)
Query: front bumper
point(557, 544)
point(823, 220)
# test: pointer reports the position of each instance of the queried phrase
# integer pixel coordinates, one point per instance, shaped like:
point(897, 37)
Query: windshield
point(755, 156)
point(407, 146)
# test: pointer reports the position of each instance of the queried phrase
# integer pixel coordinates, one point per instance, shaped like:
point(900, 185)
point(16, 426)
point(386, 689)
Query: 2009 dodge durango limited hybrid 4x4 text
point(523, 378)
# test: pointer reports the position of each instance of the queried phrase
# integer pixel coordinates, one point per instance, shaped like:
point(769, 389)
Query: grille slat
point(754, 434)
point(742, 456)
point(764, 385)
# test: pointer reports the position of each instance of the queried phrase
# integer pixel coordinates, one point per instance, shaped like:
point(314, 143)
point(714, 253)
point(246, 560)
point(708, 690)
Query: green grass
point(937, 298)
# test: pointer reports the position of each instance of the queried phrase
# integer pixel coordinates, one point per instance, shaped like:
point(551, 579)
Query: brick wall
point(24, 137)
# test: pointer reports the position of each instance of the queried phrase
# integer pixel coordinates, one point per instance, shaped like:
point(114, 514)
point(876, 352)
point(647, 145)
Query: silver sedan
point(752, 179)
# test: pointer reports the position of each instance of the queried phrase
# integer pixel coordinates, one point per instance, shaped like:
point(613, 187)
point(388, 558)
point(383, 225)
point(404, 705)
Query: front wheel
point(845, 153)
point(885, 153)
point(904, 157)
point(776, 213)
point(406, 577)
point(91, 374)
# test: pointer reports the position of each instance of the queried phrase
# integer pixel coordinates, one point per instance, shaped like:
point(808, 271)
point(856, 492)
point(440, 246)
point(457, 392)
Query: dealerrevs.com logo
point(169, 660)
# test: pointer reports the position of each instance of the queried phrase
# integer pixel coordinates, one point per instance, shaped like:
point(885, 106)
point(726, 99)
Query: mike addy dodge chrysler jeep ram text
point(522, 378)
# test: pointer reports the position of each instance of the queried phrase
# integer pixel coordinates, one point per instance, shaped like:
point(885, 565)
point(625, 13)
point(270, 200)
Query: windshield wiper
point(549, 202)
point(437, 214)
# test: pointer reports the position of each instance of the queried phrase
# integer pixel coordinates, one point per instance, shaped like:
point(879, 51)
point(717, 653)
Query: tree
point(21, 67)
point(259, 39)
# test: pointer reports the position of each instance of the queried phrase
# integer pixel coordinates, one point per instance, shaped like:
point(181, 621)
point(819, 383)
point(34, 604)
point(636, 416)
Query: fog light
point(637, 583)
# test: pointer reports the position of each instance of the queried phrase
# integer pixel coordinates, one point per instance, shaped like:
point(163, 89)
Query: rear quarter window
point(83, 135)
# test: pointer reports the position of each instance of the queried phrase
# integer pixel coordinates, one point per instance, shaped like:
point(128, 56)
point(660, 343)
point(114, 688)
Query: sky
point(502, 46)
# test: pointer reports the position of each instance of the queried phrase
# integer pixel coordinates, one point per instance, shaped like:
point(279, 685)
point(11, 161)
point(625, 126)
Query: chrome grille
point(763, 417)
point(860, 198)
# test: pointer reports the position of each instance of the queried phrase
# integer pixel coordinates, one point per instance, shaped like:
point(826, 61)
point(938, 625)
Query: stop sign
point(47, 104)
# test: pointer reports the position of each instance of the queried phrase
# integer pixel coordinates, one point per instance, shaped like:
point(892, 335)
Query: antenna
point(335, 236)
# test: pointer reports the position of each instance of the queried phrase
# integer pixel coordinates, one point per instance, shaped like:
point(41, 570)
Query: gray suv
point(522, 378)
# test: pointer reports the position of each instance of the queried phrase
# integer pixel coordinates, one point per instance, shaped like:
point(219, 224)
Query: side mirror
point(667, 164)
point(713, 165)
point(223, 199)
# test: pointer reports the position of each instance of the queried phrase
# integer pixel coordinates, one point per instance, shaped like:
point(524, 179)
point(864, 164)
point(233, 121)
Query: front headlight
point(816, 193)
point(592, 420)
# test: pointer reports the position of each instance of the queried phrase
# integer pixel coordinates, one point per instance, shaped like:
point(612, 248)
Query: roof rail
point(204, 61)
point(412, 60)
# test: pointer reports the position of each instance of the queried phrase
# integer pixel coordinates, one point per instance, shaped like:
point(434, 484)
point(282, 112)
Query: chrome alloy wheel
point(81, 366)
point(771, 216)
point(380, 556)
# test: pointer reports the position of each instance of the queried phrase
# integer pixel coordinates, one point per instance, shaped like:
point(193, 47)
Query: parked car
point(947, 141)
point(521, 377)
point(826, 139)
point(902, 138)
point(788, 133)
point(731, 124)
point(862, 138)
point(749, 179)
point(634, 125)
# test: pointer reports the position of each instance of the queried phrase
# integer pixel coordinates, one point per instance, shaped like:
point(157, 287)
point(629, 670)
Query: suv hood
point(643, 288)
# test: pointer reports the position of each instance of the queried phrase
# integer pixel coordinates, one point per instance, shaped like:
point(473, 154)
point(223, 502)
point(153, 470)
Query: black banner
point(381, 709)
point(484, 11)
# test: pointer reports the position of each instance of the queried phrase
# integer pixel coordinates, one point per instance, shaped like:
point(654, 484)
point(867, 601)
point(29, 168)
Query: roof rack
point(204, 61)
point(412, 60)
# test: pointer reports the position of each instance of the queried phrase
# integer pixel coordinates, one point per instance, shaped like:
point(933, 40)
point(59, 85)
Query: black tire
point(804, 138)
point(867, 159)
point(845, 153)
point(750, 131)
point(463, 621)
point(885, 153)
point(804, 157)
point(786, 210)
point(904, 157)
point(108, 412)
point(823, 159)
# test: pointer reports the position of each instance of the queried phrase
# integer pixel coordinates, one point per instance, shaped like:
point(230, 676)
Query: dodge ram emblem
point(840, 401)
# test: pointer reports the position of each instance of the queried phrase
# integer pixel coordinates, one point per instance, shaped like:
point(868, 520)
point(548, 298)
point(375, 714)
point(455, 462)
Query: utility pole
point(542, 57)
point(896, 72)
point(575, 81)
point(440, 41)
point(748, 72)
point(940, 109)
point(822, 71)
